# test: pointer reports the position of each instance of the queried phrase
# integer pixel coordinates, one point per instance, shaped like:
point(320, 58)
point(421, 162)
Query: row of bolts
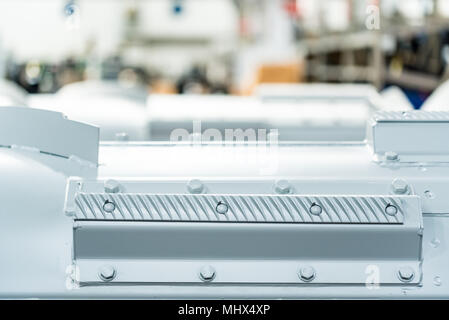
point(399, 186)
point(207, 273)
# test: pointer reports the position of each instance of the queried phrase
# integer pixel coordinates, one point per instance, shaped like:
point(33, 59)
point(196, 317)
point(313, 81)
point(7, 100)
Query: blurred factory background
point(311, 69)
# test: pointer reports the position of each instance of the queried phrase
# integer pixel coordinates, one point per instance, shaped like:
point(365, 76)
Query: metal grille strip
point(411, 116)
point(239, 208)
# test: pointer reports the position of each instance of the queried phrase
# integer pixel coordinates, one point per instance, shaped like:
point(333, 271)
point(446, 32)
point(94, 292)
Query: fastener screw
point(406, 274)
point(399, 186)
point(391, 156)
point(222, 208)
point(307, 273)
point(282, 187)
point(107, 273)
point(111, 186)
point(391, 210)
point(195, 186)
point(315, 209)
point(207, 273)
point(108, 206)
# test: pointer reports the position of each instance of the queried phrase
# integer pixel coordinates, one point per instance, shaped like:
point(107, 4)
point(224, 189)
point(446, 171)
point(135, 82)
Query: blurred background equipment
point(394, 97)
point(133, 71)
point(117, 109)
point(11, 94)
point(312, 112)
point(227, 48)
point(439, 100)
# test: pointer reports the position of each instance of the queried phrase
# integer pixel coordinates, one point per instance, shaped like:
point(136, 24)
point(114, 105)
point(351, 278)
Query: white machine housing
point(224, 220)
point(297, 112)
point(118, 110)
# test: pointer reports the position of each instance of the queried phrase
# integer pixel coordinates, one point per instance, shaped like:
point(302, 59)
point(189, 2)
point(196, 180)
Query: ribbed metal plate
point(411, 116)
point(241, 208)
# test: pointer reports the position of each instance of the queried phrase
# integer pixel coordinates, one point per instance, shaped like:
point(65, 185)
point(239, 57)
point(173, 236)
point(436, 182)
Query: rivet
point(222, 208)
point(282, 187)
point(391, 210)
point(108, 206)
point(107, 273)
point(429, 194)
point(399, 186)
point(435, 242)
point(195, 186)
point(315, 209)
point(307, 273)
point(207, 273)
point(406, 274)
point(437, 281)
point(111, 186)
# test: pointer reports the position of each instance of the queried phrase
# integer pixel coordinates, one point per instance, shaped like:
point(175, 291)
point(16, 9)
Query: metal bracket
point(123, 237)
point(409, 136)
point(48, 132)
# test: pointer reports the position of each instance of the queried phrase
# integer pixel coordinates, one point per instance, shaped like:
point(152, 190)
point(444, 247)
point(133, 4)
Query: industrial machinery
point(223, 220)
point(305, 112)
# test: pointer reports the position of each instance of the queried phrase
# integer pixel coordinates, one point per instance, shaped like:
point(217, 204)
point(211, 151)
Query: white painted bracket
point(136, 233)
point(175, 248)
point(48, 132)
point(409, 136)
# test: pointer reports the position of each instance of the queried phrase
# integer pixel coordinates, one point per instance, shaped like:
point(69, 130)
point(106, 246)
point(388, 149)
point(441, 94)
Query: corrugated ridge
point(241, 208)
point(411, 116)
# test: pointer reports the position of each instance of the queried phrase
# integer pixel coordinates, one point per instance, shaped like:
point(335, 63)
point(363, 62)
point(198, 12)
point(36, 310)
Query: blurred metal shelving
point(372, 56)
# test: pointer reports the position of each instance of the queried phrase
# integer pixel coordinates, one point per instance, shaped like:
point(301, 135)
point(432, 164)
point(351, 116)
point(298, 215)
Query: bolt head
point(282, 187)
point(391, 156)
point(195, 186)
point(391, 210)
point(399, 186)
point(222, 208)
point(108, 206)
point(307, 273)
point(207, 273)
point(111, 186)
point(315, 209)
point(406, 274)
point(107, 273)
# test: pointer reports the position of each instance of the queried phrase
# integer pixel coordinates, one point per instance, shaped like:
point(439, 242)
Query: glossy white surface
point(113, 108)
point(36, 235)
point(37, 231)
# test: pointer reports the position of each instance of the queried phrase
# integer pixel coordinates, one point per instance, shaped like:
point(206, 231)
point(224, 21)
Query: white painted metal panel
point(48, 132)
